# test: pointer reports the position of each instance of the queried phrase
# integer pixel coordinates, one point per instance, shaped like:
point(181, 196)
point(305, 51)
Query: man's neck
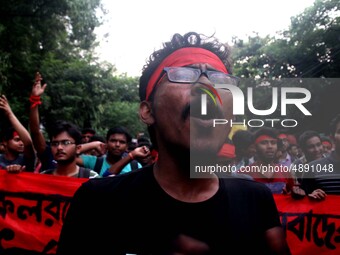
point(112, 159)
point(66, 170)
point(174, 178)
point(10, 155)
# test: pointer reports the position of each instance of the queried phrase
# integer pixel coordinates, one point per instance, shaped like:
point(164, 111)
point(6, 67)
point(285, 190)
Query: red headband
point(15, 133)
point(184, 57)
point(326, 143)
point(263, 137)
point(283, 136)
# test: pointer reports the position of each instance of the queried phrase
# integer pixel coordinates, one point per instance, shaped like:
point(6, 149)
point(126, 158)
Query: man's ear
point(145, 113)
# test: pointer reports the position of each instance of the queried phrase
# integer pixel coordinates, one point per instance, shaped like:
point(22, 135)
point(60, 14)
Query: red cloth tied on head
point(263, 137)
point(15, 133)
point(326, 143)
point(282, 136)
point(185, 57)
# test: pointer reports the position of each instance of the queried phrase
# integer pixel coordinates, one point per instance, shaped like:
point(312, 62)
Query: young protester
point(323, 176)
point(66, 142)
point(161, 209)
point(19, 153)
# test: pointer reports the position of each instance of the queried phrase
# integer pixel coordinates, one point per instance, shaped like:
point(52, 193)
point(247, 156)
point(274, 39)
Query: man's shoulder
point(322, 161)
point(241, 183)
point(124, 181)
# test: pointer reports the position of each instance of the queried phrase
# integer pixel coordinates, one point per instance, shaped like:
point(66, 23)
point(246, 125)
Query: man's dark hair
point(144, 141)
point(97, 138)
point(7, 134)
point(119, 130)
point(64, 126)
point(334, 123)
point(266, 131)
point(242, 139)
point(305, 136)
point(88, 130)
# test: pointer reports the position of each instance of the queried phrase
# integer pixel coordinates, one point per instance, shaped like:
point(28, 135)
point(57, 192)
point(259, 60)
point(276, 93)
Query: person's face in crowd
point(314, 148)
point(2, 148)
point(285, 144)
point(178, 118)
point(294, 151)
point(148, 160)
point(63, 148)
point(267, 150)
point(337, 138)
point(117, 145)
point(251, 151)
point(86, 137)
point(327, 147)
point(15, 145)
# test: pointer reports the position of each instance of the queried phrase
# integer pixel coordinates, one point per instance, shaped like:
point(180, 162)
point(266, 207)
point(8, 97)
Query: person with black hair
point(162, 208)
point(65, 140)
point(152, 157)
point(116, 160)
point(265, 168)
point(323, 176)
point(245, 151)
point(312, 149)
point(19, 153)
point(327, 144)
point(86, 134)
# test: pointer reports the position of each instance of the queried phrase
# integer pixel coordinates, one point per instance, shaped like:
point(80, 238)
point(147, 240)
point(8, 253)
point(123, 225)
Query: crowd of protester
point(301, 165)
point(310, 160)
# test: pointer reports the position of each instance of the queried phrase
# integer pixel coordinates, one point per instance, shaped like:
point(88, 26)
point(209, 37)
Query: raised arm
point(29, 152)
point(34, 123)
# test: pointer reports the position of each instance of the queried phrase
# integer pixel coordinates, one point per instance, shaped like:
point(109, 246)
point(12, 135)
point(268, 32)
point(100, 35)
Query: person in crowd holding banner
point(323, 176)
point(312, 148)
point(264, 169)
point(125, 206)
point(19, 150)
point(66, 142)
point(42, 148)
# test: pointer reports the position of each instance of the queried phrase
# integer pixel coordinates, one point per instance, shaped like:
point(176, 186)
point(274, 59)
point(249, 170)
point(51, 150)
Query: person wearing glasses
point(65, 142)
point(164, 208)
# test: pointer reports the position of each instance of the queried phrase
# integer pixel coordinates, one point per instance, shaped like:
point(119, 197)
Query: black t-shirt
point(131, 213)
point(322, 174)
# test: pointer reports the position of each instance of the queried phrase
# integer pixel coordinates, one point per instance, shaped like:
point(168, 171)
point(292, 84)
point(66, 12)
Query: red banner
point(33, 206)
point(32, 209)
point(312, 227)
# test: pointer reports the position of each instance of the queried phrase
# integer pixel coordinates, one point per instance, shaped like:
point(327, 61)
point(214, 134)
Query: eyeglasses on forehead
point(191, 75)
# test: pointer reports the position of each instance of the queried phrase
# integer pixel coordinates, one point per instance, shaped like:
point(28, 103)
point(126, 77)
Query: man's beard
point(66, 161)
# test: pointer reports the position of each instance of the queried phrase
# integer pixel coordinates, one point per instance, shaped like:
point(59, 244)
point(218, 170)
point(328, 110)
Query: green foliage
point(309, 48)
point(57, 39)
